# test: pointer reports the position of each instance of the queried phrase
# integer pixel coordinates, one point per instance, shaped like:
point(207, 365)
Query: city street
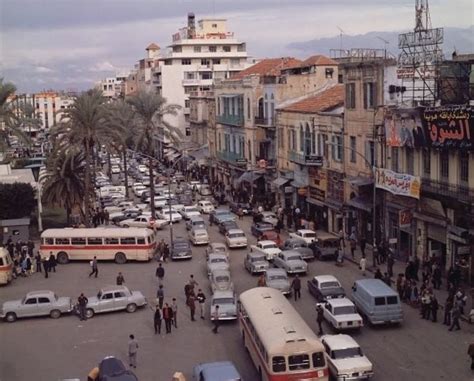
point(46, 349)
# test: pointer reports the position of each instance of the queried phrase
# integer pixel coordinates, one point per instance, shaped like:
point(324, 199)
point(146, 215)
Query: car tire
point(120, 258)
point(62, 258)
point(10, 317)
point(132, 307)
point(55, 314)
point(125, 226)
point(89, 313)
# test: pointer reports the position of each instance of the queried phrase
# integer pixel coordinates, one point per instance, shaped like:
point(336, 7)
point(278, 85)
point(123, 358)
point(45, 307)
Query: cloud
point(43, 69)
point(103, 66)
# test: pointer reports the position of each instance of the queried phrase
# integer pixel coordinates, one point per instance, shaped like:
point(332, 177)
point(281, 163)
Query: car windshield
point(219, 249)
point(181, 244)
point(222, 278)
point(271, 246)
point(188, 210)
point(258, 259)
point(201, 234)
point(293, 258)
point(236, 235)
point(223, 301)
point(330, 284)
point(218, 260)
point(346, 353)
point(277, 277)
point(344, 310)
point(309, 235)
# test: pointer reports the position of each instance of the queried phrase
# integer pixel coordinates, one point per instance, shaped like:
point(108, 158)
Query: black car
point(181, 249)
point(125, 216)
point(225, 226)
point(145, 195)
point(235, 206)
point(112, 369)
point(324, 287)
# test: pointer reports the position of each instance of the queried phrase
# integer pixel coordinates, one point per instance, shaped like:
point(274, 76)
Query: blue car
point(258, 228)
point(216, 371)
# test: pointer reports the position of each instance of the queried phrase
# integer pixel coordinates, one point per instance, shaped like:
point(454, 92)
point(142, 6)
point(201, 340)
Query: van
point(6, 266)
point(377, 302)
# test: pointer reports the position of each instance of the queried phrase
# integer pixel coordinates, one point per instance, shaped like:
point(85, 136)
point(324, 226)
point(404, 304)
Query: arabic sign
point(318, 178)
point(405, 218)
point(398, 183)
point(404, 128)
point(449, 127)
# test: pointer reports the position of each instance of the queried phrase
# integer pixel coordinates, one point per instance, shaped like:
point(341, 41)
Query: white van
point(105, 191)
point(6, 266)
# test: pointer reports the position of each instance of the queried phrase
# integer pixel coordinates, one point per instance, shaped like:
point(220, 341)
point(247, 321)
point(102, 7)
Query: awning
point(200, 154)
point(359, 180)
point(229, 95)
point(280, 181)
point(249, 177)
point(298, 184)
point(362, 203)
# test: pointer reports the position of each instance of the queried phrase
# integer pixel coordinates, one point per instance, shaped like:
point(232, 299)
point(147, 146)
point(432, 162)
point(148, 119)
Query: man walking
point(174, 308)
point(363, 243)
point(191, 302)
point(45, 267)
point(120, 279)
point(52, 261)
point(215, 319)
point(132, 351)
point(320, 318)
point(160, 273)
point(167, 316)
point(157, 320)
point(363, 264)
point(202, 302)
point(455, 315)
point(160, 295)
point(390, 262)
point(38, 263)
point(95, 268)
point(353, 244)
point(82, 303)
point(296, 286)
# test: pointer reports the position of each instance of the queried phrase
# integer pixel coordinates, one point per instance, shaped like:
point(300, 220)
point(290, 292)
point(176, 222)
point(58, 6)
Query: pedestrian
point(215, 319)
point(45, 267)
point(448, 305)
point(436, 277)
point(191, 303)
point(455, 315)
point(82, 305)
point(157, 320)
point(160, 273)
point(261, 281)
point(434, 308)
point(425, 305)
point(363, 243)
point(132, 351)
point(188, 290)
point(296, 286)
point(38, 262)
point(168, 317)
point(174, 308)
point(166, 253)
point(52, 262)
point(387, 279)
point(353, 244)
point(362, 264)
point(460, 299)
point(378, 274)
point(320, 318)
point(94, 267)
point(192, 281)
point(470, 352)
point(416, 267)
point(160, 295)
point(120, 279)
point(390, 263)
point(202, 302)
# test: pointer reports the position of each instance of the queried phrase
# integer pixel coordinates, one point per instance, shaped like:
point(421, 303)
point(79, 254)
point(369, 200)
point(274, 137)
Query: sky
point(71, 44)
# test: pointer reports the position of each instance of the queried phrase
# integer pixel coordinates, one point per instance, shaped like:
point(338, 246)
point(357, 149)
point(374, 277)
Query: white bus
point(6, 266)
point(116, 244)
point(280, 343)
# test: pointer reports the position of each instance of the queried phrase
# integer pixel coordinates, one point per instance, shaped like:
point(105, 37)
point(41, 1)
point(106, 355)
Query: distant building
point(113, 87)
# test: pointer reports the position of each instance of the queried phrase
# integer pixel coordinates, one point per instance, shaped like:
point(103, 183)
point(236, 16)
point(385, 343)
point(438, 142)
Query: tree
point(63, 184)
point(17, 200)
point(149, 127)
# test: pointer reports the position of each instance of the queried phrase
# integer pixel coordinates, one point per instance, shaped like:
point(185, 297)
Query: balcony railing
point(267, 122)
point(231, 157)
point(233, 120)
point(309, 160)
point(459, 192)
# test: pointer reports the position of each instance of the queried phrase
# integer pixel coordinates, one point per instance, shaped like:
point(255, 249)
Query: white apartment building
point(196, 57)
point(113, 87)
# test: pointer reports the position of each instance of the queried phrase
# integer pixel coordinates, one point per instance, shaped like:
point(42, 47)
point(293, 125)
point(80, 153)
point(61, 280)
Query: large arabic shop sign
point(398, 183)
point(446, 127)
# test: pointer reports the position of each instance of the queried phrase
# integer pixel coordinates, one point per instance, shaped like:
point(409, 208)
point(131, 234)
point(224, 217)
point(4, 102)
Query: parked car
point(218, 248)
point(270, 218)
point(113, 369)
point(234, 207)
point(258, 228)
point(114, 298)
point(346, 361)
point(308, 235)
point(205, 206)
point(190, 211)
point(170, 216)
point(341, 313)
point(256, 263)
point(225, 226)
point(116, 218)
point(220, 280)
point(217, 212)
point(216, 371)
point(324, 287)
point(291, 261)
point(217, 261)
point(299, 245)
point(138, 190)
point(227, 305)
point(195, 222)
point(198, 236)
point(36, 303)
point(218, 219)
point(270, 235)
point(325, 248)
point(269, 248)
point(278, 279)
point(181, 249)
point(144, 221)
point(235, 238)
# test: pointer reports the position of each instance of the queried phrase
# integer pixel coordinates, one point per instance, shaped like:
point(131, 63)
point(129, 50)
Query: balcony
point(231, 157)
point(458, 192)
point(264, 122)
point(309, 160)
point(232, 120)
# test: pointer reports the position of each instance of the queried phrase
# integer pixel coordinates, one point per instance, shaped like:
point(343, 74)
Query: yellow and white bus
point(118, 244)
point(282, 346)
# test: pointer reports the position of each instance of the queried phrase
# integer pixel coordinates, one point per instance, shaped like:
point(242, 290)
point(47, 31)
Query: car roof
point(267, 242)
point(290, 252)
point(235, 231)
point(222, 370)
point(217, 272)
point(326, 278)
point(375, 287)
point(340, 341)
point(114, 288)
point(217, 255)
point(223, 294)
point(275, 271)
point(196, 218)
point(218, 244)
point(256, 254)
point(39, 293)
point(340, 302)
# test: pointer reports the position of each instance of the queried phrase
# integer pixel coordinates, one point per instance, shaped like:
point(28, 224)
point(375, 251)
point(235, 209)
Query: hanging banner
point(404, 128)
point(398, 183)
point(449, 127)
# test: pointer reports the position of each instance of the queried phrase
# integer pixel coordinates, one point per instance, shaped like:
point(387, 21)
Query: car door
point(44, 306)
point(106, 302)
point(120, 300)
point(29, 307)
point(328, 314)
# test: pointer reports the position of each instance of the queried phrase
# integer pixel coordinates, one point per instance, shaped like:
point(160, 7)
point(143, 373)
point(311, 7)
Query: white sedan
point(235, 238)
point(267, 247)
point(190, 211)
point(307, 235)
point(270, 217)
point(172, 216)
point(144, 221)
point(341, 313)
point(138, 190)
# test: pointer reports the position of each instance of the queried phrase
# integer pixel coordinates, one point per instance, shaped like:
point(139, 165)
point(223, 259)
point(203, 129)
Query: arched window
point(301, 137)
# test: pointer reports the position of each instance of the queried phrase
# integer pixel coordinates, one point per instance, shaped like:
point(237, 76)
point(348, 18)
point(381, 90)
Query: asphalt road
point(46, 349)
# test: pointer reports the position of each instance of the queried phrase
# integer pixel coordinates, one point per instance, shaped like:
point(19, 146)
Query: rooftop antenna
point(340, 36)
point(385, 43)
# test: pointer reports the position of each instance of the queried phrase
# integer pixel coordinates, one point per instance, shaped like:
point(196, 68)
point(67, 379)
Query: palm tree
point(149, 127)
point(63, 184)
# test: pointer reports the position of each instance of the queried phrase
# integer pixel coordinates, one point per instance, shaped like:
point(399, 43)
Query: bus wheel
point(62, 258)
point(120, 258)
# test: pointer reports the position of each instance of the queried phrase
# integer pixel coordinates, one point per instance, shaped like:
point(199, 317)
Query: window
point(353, 146)
point(337, 148)
point(444, 164)
point(31, 301)
point(302, 138)
point(323, 147)
point(212, 49)
point(214, 25)
point(278, 364)
point(248, 108)
point(43, 300)
point(464, 166)
point(318, 359)
point(369, 95)
point(119, 295)
point(392, 300)
point(380, 301)
point(298, 362)
point(63, 241)
point(350, 95)
point(234, 61)
point(108, 296)
point(111, 241)
point(329, 72)
point(206, 75)
point(186, 61)
point(426, 162)
point(197, 49)
point(410, 161)
point(48, 241)
point(94, 241)
point(395, 159)
point(205, 62)
point(216, 61)
point(226, 49)
point(141, 241)
point(127, 241)
point(78, 241)
point(177, 49)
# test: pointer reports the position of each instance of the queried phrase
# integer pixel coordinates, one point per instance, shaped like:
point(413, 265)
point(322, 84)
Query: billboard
point(398, 183)
point(449, 127)
point(404, 128)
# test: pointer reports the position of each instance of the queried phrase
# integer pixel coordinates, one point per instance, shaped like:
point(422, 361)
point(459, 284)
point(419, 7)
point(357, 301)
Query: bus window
point(298, 362)
point(141, 241)
point(111, 241)
point(78, 241)
point(279, 364)
point(127, 241)
point(62, 241)
point(94, 241)
point(318, 360)
point(1, 262)
point(380, 301)
point(49, 241)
